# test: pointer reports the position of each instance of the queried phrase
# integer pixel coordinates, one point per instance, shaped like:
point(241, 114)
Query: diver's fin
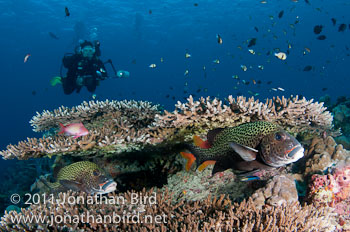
point(212, 135)
point(200, 143)
point(74, 185)
point(190, 159)
point(246, 153)
point(55, 80)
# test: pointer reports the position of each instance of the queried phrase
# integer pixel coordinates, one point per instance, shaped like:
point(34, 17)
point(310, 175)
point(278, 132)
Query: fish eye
point(278, 137)
point(96, 173)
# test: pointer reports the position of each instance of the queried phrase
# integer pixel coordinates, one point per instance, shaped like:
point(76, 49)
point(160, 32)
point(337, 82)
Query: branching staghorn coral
point(212, 214)
point(122, 126)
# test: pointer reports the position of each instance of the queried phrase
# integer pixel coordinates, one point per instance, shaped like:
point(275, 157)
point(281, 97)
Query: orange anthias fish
point(74, 129)
point(26, 57)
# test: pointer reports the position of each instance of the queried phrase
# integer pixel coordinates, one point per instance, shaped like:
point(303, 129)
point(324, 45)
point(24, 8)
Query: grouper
point(82, 176)
point(248, 147)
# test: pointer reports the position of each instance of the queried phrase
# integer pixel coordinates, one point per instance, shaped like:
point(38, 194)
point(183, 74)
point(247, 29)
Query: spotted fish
point(82, 176)
point(248, 147)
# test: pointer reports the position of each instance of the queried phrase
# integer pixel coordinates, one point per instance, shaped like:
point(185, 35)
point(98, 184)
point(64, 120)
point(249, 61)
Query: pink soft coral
point(336, 184)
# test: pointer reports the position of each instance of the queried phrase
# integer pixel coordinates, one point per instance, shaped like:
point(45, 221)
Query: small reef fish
point(307, 68)
point(334, 21)
point(216, 61)
point(251, 51)
point(247, 147)
point(186, 73)
point(318, 29)
point(66, 11)
point(187, 55)
point(244, 68)
point(152, 65)
point(52, 35)
point(321, 37)
point(219, 39)
point(252, 42)
point(281, 55)
point(281, 89)
point(26, 58)
point(261, 67)
point(342, 27)
point(74, 129)
point(235, 77)
point(280, 15)
point(81, 176)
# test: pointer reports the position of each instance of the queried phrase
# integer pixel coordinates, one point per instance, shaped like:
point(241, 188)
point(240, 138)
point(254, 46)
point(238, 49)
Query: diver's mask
point(88, 51)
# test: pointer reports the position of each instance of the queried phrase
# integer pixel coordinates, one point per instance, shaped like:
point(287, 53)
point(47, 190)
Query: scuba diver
point(84, 69)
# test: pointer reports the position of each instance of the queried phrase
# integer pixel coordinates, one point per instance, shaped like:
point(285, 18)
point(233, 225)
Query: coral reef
point(158, 213)
point(125, 126)
point(333, 189)
point(198, 185)
point(138, 141)
point(324, 153)
point(341, 114)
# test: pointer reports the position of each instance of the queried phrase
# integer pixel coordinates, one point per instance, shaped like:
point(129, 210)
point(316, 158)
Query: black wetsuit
point(78, 66)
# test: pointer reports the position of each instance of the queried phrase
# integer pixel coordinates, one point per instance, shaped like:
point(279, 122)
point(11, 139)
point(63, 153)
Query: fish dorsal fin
point(70, 184)
point(246, 153)
point(212, 134)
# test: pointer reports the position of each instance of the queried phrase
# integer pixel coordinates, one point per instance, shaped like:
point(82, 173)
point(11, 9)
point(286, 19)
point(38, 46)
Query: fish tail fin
point(190, 159)
point(62, 129)
point(200, 156)
point(200, 143)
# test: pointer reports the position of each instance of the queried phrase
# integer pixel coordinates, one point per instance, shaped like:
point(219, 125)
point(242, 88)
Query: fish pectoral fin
point(74, 185)
point(246, 153)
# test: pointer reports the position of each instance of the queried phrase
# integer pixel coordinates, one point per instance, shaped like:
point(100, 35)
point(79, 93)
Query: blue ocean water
point(135, 34)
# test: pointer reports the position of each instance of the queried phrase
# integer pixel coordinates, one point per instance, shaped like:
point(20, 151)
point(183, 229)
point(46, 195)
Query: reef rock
point(280, 190)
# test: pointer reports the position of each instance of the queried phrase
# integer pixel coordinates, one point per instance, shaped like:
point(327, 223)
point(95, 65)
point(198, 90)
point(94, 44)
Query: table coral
point(123, 126)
